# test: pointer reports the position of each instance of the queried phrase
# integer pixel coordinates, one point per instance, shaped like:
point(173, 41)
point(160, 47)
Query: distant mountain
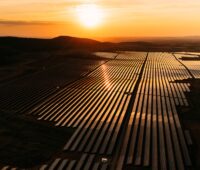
point(150, 39)
point(14, 44)
point(36, 44)
point(75, 40)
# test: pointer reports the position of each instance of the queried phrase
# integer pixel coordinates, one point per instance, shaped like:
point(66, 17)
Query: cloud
point(26, 23)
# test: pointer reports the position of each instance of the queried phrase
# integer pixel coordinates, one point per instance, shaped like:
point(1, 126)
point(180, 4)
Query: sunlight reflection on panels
point(106, 54)
point(118, 70)
point(105, 75)
point(140, 56)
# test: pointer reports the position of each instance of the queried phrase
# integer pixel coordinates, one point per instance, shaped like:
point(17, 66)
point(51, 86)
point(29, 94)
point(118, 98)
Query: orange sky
point(121, 18)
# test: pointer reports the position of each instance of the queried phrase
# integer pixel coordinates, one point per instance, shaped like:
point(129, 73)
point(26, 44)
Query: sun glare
point(90, 15)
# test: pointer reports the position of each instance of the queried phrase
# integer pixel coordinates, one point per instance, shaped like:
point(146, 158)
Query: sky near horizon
point(115, 18)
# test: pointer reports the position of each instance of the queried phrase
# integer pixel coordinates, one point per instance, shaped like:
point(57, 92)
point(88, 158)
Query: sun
point(90, 15)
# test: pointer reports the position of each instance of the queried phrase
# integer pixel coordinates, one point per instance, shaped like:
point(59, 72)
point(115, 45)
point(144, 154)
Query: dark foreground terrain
point(62, 106)
point(26, 143)
point(191, 120)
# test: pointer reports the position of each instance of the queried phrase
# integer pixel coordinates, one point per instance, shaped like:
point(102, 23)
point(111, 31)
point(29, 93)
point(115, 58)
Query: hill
point(13, 45)
point(36, 44)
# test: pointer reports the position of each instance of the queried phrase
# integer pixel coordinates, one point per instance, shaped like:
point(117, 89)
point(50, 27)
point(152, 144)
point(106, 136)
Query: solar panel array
point(22, 94)
point(154, 136)
point(123, 110)
point(192, 65)
point(95, 105)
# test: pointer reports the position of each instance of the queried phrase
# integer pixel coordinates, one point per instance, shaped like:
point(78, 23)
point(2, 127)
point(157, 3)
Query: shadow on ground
point(191, 120)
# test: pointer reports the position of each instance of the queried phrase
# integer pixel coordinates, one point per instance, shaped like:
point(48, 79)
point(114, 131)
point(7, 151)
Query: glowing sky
point(49, 18)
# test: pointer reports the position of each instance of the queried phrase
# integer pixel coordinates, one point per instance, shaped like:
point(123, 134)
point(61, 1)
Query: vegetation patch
point(191, 119)
point(26, 143)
